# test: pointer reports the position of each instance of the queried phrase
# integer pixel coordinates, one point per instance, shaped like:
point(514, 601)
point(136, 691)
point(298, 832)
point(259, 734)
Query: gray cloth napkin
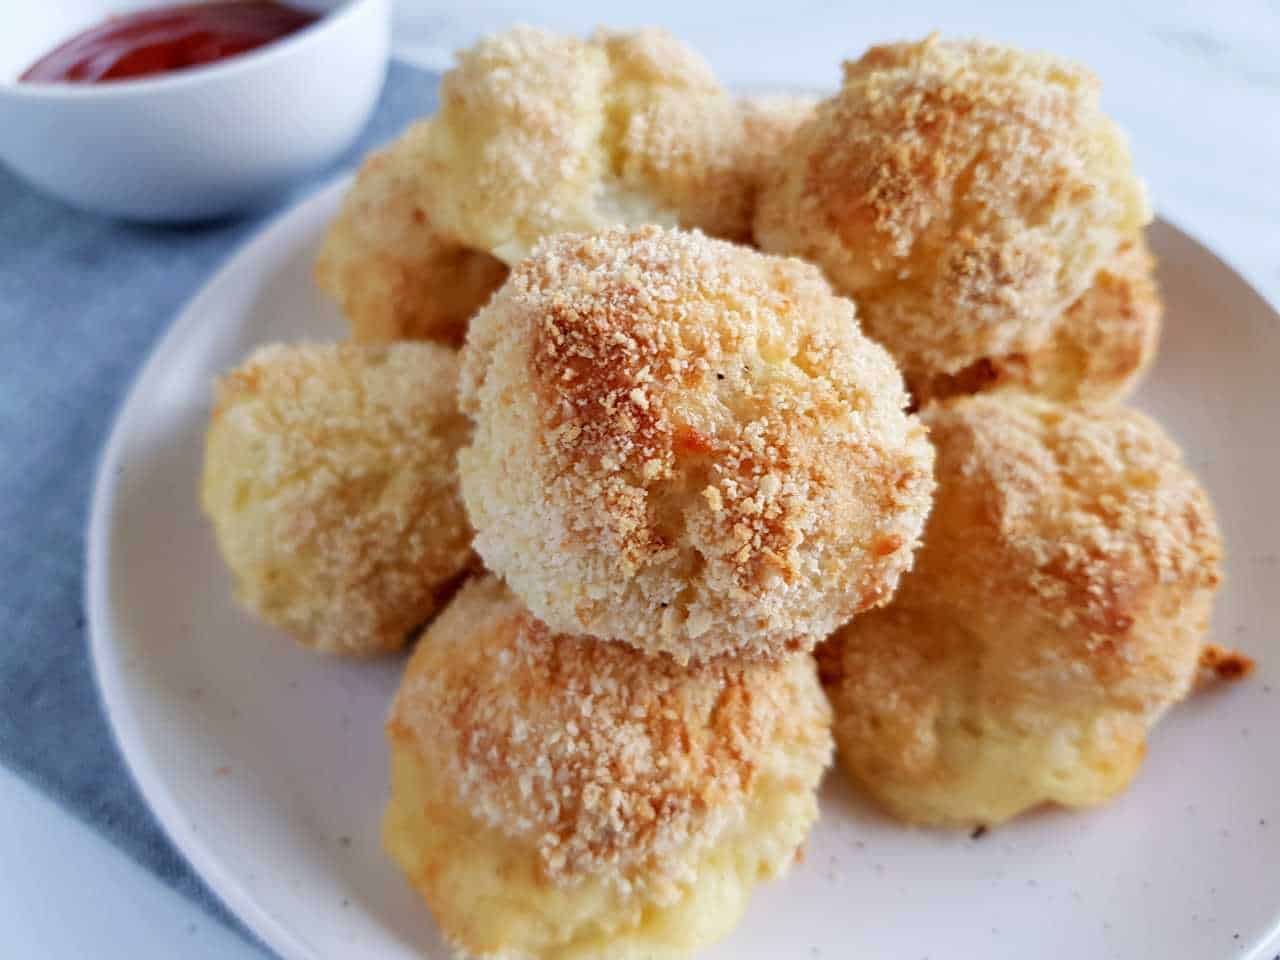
point(82, 299)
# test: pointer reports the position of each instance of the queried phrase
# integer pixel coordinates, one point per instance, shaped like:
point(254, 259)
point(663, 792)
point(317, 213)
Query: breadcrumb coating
point(331, 482)
point(964, 193)
point(1218, 665)
point(606, 792)
point(1057, 607)
point(688, 446)
point(1098, 350)
point(539, 134)
point(394, 274)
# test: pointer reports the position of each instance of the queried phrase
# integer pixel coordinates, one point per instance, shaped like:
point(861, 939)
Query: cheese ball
point(393, 273)
point(1057, 608)
point(963, 193)
point(539, 134)
point(331, 483)
point(562, 797)
point(688, 446)
point(1098, 350)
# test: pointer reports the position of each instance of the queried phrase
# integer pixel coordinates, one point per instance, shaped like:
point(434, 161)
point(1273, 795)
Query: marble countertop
point(1197, 86)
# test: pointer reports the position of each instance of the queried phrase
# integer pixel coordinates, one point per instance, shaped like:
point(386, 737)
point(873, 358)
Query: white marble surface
point(1196, 85)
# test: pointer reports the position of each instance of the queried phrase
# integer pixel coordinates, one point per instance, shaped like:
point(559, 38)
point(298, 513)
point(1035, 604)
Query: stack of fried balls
point(651, 393)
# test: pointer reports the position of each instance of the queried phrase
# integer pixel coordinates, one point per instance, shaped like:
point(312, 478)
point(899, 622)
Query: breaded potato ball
point(963, 193)
point(539, 134)
point(331, 482)
point(562, 798)
point(390, 269)
point(687, 445)
point(1057, 607)
point(1097, 351)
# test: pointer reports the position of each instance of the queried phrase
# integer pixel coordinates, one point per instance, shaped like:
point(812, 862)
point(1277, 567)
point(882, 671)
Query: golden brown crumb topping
point(1097, 351)
point(330, 478)
point(1217, 663)
point(1087, 509)
point(705, 413)
point(539, 134)
point(963, 192)
point(1058, 606)
point(395, 274)
point(607, 759)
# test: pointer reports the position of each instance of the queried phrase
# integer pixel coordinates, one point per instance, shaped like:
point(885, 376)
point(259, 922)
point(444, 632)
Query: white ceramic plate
point(267, 767)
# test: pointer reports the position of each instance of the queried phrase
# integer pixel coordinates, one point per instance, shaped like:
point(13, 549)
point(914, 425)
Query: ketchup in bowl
point(164, 39)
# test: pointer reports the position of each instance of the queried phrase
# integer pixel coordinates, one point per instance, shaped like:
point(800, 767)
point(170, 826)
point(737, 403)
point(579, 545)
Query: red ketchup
point(164, 39)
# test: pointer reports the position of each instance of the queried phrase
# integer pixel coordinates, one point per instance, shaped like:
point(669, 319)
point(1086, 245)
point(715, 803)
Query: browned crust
point(540, 133)
point(330, 481)
point(964, 193)
point(605, 760)
point(1056, 608)
point(1098, 351)
point(1218, 664)
point(722, 460)
point(393, 272)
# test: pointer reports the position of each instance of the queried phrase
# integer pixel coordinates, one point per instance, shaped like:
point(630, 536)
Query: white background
point(1196, 85)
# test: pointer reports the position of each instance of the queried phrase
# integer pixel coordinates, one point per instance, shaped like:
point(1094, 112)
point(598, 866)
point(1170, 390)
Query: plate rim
point(122, 719)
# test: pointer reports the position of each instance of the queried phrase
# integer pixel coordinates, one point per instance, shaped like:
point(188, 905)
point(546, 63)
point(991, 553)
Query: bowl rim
point(336, 19)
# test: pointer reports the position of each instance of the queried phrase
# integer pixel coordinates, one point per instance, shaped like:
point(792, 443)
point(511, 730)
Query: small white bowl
point(195, 143)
